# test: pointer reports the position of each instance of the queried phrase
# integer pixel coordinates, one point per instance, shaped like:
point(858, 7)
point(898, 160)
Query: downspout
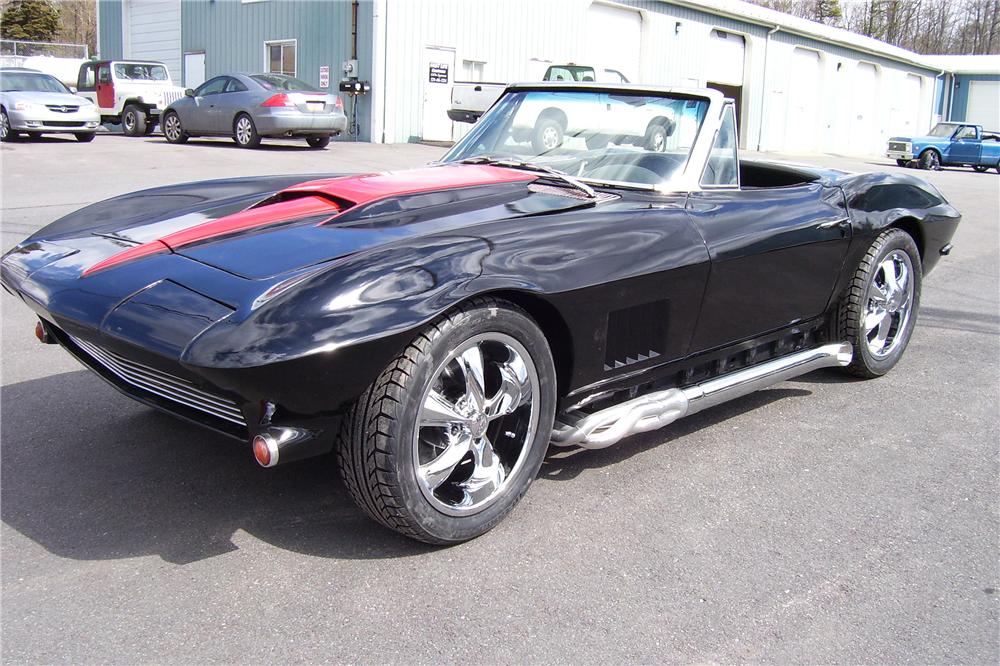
point(763, 96)
point(951, 96)
point(355, 129)
point(944, 92)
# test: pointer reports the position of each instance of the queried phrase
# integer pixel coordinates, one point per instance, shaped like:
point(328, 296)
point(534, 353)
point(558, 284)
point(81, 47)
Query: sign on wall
point(324, 76)
point(438, 72)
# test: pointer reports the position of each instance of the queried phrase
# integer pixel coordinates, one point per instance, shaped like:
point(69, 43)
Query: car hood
point(260, 235)
point(47, 98)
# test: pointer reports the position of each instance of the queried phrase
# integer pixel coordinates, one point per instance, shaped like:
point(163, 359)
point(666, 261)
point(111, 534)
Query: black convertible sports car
point(588, 263)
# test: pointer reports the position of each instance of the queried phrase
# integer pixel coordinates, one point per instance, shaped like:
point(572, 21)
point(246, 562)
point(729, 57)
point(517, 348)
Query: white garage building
point(800, 86)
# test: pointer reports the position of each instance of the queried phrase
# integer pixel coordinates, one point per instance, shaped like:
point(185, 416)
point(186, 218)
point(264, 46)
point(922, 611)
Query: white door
point(863, 118)
point(984, 104)
point(614, 39)
point(802, 131)
point(438, 74)
point(153, 32)
point(724, 58)
point(194, 69)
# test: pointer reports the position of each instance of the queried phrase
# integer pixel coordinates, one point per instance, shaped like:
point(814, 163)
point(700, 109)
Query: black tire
point(902, 163)
point(245, 132)
point(318, 142)
point(150, 128)
point(855, 305)
point(6, 133)
point(133, 121)
point(656, 138)
point(34, 136)
point(173, 131)
point(930, 160)
point(547, 135)
point(85, 137)
point(376, 448)
point(980, 168)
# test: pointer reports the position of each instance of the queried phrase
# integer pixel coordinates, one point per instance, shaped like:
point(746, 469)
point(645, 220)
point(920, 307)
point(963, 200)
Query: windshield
point(944, 130)
point(27, 81)
point(139, 72)
point(282, 82)
point(610, 137)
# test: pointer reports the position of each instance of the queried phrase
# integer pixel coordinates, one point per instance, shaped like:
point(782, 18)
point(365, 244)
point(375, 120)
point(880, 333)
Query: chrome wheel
point(476, 424)
point(129, 121)
point(4, 126)
point(550, 138)
point(889, 300)
point(172, 127)
point(244, 130)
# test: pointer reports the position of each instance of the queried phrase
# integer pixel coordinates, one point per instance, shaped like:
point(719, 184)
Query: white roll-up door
point(984, 104)
point(614, 39)
point(724, 58)
point(803, 119)
point(154, 33)
point(863, 113)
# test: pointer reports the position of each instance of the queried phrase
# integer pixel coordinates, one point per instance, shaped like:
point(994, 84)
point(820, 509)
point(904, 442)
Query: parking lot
point(824, 520)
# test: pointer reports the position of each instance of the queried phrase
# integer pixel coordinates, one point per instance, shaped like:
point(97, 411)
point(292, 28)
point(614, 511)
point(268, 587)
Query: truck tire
point(444, 444)
point(930, 160)
point(980, 168)
point(548, 135)
point(133, 121)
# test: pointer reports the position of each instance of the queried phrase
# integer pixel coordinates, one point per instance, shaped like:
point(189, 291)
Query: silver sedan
point(249, 107)
point(36, 104)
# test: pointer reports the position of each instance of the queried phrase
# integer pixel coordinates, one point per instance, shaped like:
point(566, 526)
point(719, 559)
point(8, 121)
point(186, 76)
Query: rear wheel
point(980, 168)
point(85, 137)
point(547, 136)
point(133, 121)
point(318, 142)
point(447, 440)
point(879, 311)
point(172, 129)
point(244, 132)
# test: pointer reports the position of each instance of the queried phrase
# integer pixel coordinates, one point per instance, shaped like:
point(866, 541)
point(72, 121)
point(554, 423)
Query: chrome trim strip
point(163, 385)
point(655, 410)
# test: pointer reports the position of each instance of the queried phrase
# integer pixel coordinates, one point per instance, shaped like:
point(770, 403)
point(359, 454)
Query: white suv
point(130, 92)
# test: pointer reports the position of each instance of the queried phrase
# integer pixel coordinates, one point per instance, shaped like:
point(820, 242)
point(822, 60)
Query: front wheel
point(85, 137)
point(133, 121)
point(930, 160)
point(318, 142)
point(6, 133)
point(879, 311)
point(447, 440)
point(173, 132)
point(547, 136)
point(245, 132)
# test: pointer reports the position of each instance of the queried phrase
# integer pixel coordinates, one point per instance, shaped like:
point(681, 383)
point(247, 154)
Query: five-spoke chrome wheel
point(888, 307)
point(477, 421)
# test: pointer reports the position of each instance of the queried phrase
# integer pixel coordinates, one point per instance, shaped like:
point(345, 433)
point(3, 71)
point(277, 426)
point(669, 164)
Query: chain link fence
point(13, 52)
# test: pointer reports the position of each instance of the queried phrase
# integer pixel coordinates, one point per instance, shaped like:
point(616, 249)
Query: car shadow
point(90, 475)
point(226, 142)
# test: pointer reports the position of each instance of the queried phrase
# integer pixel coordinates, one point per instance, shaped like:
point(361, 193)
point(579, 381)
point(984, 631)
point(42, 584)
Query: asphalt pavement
point(825, 520)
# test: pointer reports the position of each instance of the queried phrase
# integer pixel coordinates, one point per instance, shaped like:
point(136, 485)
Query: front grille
point(62, 123)
point(163, 385)
point(897, 146)
point(62, 108)
point(170, 97)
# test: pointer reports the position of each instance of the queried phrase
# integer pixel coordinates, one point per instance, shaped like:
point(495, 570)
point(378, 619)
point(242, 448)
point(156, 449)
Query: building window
point(280, 57)
point(473, 70)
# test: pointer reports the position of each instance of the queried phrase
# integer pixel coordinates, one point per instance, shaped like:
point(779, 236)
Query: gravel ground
point(822, 521)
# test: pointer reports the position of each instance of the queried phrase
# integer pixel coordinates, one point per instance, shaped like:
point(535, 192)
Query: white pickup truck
point(130, 92)
point(471, 99)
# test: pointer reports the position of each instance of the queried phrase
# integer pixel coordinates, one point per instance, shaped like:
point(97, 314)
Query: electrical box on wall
point(355, 87)
point(350, 68)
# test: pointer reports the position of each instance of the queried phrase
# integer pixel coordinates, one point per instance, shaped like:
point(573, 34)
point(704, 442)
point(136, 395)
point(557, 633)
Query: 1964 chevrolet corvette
point(544, 283)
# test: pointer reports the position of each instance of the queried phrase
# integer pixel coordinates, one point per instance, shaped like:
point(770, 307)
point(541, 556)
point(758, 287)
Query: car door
point(105, 87)
point(199, 115)
point(227, 105)
point(965, 146)
point(776, 252)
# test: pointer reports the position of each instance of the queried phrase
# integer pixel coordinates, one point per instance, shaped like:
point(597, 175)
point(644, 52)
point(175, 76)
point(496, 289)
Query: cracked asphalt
point(825, 520)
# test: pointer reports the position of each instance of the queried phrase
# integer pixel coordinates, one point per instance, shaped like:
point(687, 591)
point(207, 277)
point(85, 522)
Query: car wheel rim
point(550, 138)
point(129, 122)
point(890, 304)
point(4, 126)
point(476, 424)
point(658, 140)
point(173, 127)
point(243, 131)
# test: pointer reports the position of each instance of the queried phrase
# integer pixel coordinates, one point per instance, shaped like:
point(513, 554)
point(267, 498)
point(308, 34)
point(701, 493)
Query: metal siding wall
point(232, 35)
point(109, 39)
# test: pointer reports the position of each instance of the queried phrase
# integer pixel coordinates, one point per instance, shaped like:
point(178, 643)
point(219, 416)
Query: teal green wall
point(960, 104)
point(109, 38)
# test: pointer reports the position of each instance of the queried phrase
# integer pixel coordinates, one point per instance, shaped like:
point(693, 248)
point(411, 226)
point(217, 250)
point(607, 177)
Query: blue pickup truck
point(948, 144)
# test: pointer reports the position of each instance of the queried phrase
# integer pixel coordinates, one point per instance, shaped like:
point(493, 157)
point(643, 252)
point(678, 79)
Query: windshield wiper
point(531, 166)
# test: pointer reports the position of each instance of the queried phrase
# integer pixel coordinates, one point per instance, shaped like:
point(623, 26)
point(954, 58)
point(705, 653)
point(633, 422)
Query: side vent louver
point(636, 334)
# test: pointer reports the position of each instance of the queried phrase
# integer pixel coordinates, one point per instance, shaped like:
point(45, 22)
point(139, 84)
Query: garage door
point(154, 33)
point(614, 39)
point(724, 58)
point(984, 104)
point(803, 124)
point(863, 115)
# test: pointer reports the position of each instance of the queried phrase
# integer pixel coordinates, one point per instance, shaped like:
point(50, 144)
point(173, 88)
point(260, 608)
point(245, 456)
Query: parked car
point(131, 93)
point(438, 327)
point(249, 107)
point(948, 144)
point(470, 99)
point(36, 104)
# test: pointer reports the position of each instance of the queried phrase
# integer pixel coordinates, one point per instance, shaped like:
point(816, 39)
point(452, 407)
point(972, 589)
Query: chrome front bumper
point(43, 120)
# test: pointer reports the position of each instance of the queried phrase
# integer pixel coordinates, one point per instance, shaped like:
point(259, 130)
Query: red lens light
point(281, 99)
point(339, 103)
point(40, 332)
point(261, 451)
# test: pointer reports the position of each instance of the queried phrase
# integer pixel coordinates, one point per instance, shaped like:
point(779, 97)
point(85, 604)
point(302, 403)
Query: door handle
point(832, 223)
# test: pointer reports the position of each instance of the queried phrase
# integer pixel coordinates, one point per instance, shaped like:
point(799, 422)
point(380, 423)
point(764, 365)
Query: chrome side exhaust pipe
point(655, 410)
